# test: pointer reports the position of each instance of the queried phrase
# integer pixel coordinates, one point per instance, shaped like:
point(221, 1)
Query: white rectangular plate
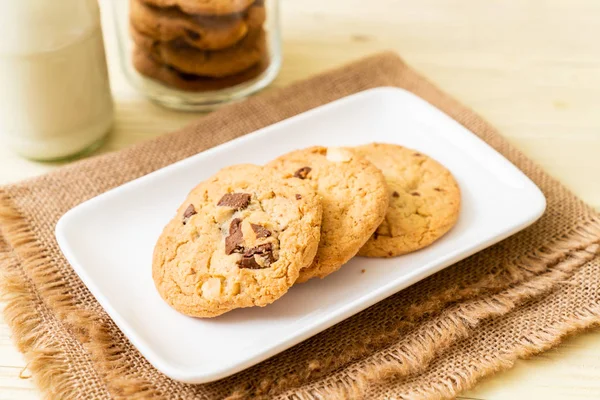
point(109, 240)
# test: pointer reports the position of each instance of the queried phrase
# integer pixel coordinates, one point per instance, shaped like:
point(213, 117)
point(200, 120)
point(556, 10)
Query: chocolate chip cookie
point(424, 200)
point(221, 63)
point(205, 7)
point(354, 196)
point(201, 32)
point(170, 76)
point(240, 239)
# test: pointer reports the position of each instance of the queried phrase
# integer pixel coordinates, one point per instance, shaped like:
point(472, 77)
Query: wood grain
point(531, 68)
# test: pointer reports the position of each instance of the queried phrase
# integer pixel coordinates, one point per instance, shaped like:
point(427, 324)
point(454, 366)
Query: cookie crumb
point(359, 37)
point(363, 271)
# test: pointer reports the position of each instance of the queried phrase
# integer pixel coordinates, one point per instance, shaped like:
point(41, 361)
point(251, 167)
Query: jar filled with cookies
point(198, 54)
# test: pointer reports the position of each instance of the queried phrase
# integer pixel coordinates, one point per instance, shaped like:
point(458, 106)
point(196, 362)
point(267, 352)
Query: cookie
point(424, 200)
point(239, 240)
point(354, 201)
point(201, 32)
point(169, 76)
point(204, 7)
point(220, 63)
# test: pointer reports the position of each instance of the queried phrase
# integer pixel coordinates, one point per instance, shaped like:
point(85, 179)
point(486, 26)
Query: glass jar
point(197, 55)
point(55, 99)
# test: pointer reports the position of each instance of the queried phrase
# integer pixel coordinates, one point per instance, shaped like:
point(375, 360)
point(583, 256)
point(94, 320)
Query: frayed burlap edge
point(535, 274)
point(529, 346)
point(38, 278)
point(413, 356)
point(545, 267)
point(42, 352)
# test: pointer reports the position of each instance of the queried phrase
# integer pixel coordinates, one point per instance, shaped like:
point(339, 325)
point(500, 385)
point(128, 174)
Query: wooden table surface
point(532, 68)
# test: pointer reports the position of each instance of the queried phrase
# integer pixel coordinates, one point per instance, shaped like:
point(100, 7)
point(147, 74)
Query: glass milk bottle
point(55, 99)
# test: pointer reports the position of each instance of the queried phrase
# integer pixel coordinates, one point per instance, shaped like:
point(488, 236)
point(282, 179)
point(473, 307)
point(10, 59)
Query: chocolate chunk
point(249, 263)
point(237, 201)
point(261, 249)
point(188, 213)
point(261, 231)
point(438, 189)
point(298, 197)
point(396, 194)
point(415, 193)
point(191, 210)
point(417, 154)
point(192, 34)
point(234, 243)
point(302, 173)
point(265, 251)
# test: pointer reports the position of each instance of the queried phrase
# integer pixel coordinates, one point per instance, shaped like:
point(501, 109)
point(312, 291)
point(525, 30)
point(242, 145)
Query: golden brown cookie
point(169, 76)
point(424, 200)
point(204, 7)
point(219, 63)
point(201, 32)
point(239, 240)
point(354, 201)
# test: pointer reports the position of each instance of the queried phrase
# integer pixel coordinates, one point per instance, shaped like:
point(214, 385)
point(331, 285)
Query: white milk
point(55, 96)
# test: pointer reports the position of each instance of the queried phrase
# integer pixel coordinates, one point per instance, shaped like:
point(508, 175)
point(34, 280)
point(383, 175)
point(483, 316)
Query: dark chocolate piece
point(237, 201)
point(261, 249)
point(265, 251)
point(249, 263)
point(261, 231)
point(298, 197)
point(192, 34)
point(396, 194)
point(234, 243)
point(302, 173)
point(188, 213)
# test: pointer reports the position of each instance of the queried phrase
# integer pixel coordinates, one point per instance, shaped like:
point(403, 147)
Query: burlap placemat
point(432, 340)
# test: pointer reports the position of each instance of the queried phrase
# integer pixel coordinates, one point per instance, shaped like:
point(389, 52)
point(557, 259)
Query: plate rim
point(188, 375)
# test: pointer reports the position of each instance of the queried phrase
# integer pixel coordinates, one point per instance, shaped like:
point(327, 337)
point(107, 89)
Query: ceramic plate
point(109, 240)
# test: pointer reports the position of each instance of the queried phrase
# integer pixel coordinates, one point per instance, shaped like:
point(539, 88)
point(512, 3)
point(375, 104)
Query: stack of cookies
point(198, 45)
point(243, 237)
